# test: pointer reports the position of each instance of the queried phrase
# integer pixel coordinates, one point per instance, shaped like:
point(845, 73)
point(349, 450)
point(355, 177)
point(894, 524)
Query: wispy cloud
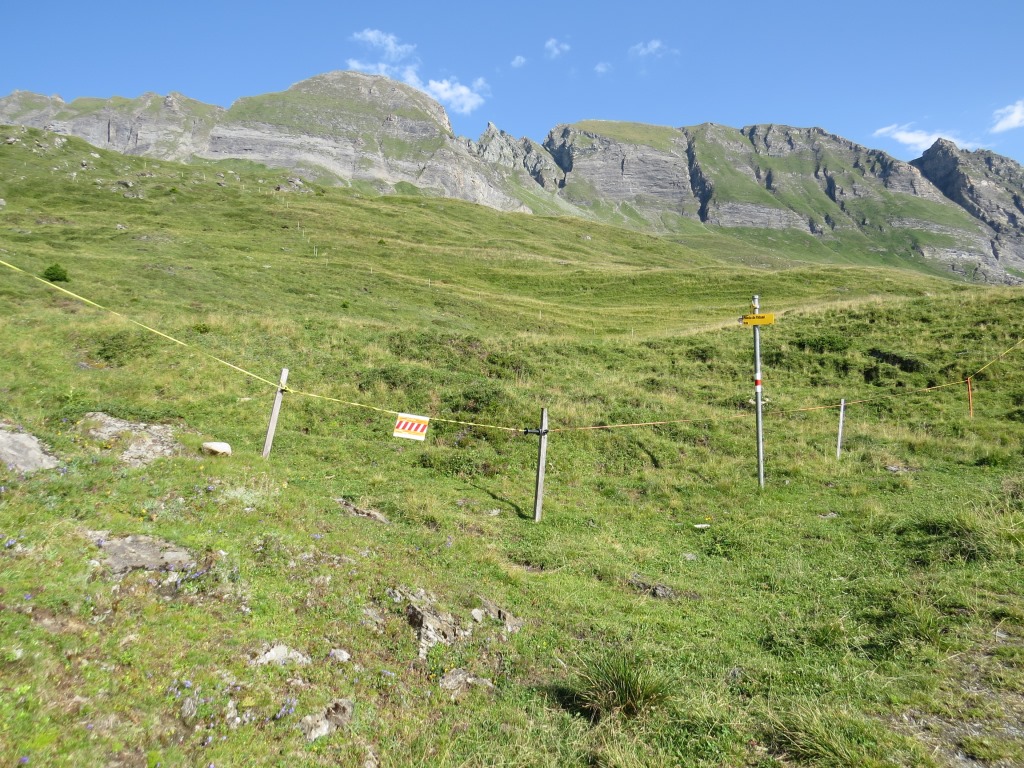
point(392, 50)
point(603, 67)
point(556, 48)
point(652, 48)
point(919, 140)
point(518, 62)
point(1009, 117)
point(398, 61)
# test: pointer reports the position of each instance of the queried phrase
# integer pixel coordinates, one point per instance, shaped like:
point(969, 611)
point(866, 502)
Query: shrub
point(121, 346)
point(55, 273)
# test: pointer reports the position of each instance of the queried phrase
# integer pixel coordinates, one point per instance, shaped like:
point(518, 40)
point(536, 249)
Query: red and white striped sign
point(411, 427)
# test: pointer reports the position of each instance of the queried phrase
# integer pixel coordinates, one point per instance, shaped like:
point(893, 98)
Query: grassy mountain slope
point(856, 612)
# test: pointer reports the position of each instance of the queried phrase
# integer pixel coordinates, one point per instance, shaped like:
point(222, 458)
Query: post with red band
point(755, 307)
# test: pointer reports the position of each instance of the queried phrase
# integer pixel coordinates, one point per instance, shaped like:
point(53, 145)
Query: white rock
point(217, 449)
point(339, 655)
point(281, 655)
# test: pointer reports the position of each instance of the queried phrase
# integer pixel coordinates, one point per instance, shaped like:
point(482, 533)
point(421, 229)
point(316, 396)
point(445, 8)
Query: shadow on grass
point(567, 699)
point(519, 510)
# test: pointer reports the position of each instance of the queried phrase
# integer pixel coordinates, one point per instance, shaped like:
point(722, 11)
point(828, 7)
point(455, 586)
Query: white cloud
point(461, 98)
point(518, 61)
point(603, 67)
point(393, 51)
point(398, 63)
point(652, 48)
point(919, 140)
point(555, 48)
point(1009, 117)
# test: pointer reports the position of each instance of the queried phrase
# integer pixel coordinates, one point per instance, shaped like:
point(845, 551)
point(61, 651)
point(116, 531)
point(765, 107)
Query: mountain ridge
point(956, 211)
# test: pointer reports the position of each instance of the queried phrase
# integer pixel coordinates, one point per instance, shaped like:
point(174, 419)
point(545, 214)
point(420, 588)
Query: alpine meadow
point(356, 599)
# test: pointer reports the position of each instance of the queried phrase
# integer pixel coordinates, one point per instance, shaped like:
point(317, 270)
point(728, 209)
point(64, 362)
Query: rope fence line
point(708, 420)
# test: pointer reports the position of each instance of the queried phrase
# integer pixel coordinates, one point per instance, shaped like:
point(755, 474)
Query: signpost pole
point(755, 307)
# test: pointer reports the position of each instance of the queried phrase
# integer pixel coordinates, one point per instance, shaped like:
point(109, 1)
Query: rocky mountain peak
point(988, 186)
point(350, 127)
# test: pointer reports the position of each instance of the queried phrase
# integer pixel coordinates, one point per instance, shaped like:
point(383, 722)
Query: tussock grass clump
point(810, 734)
point(620, 683)
point(949, 536)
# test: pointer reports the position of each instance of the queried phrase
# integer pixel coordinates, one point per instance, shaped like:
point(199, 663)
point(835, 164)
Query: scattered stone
point(689, 556)
point(280, 654)
point(217, 449)
point(493, 512)
point(130, 553)
point(478, 615)
point(146, 442)
point(231, 715)
point(23, 452)
point(339, 655)
point(189, 707)
point(510, 623)
point(899, 468)
point(337, 714)
point(432, 626)
point(120, 227)
point(702, 526)
point(3, 203)
point(458, 681)
point(374, 619)
point(357, 512)
point(829, 515)
point(659, 591)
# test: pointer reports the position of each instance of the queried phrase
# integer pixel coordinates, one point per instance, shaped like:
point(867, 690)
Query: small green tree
point(55, 273)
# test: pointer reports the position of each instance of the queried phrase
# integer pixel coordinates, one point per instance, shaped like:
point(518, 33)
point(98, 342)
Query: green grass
point(658, 137)
point(809, 624)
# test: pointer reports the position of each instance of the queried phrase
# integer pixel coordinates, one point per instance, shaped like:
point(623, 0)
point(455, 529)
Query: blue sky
point(890, 75)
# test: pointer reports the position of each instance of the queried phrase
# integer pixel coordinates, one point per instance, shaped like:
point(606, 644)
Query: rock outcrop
point(986, 185)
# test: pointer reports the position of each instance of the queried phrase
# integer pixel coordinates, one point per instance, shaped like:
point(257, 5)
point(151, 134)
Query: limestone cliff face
point(341, 125)
point(171, 127)
point(771, 177)
point(960, 210)
point(986, 185)
point(642, 167)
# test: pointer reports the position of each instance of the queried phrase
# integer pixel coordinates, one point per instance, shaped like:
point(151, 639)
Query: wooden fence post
point(269, 443)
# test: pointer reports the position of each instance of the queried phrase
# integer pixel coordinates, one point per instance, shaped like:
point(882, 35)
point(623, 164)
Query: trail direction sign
point(768, 319)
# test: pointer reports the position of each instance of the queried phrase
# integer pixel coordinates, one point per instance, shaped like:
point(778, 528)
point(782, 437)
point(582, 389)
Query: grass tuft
point(621, 684)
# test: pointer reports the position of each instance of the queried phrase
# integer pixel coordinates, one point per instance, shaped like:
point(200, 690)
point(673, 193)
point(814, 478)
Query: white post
point(842, 414)
point(269, 443)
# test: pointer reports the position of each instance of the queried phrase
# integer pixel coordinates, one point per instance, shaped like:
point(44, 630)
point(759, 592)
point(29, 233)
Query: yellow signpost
point(768, 319)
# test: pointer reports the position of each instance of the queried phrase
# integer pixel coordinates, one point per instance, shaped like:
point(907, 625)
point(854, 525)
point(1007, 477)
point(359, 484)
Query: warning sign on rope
point(411, 427)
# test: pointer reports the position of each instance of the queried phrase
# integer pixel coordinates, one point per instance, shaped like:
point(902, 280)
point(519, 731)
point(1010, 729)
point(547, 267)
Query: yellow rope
point(274, 384)
point(493, 426)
